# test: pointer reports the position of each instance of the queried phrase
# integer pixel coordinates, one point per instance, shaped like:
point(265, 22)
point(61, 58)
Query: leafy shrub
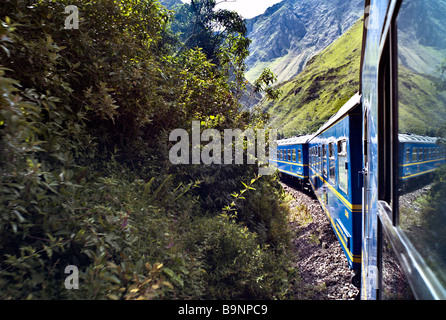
point(235, 265)
point(84, 177)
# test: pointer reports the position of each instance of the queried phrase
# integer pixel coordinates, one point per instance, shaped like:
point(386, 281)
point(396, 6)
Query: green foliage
point(84, 175)
point(424, 223)
point(200, 24)
point(234, 265)
point(264, 83)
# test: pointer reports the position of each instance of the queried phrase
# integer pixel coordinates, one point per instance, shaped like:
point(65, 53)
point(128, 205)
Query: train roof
point(349, 105)
point(413, 138)
point(294, 140)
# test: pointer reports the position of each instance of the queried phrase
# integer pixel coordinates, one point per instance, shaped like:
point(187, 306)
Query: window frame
point(414, 154)
point(342, 154)
point(422, 282)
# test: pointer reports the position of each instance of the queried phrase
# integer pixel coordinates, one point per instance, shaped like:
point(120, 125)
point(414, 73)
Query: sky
point(246, 8)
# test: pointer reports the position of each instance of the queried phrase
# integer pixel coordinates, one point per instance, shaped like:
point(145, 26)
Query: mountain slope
point(289, 33)
point(328, 81)
point(421, 52)
point(332, 77)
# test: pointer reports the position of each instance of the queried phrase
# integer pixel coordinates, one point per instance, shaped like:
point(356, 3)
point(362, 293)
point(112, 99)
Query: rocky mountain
point(289, 33)
point(329, 79)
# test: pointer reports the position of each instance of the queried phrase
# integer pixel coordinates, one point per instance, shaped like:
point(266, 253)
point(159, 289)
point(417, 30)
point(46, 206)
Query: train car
point(291, 157)
point(401, 82)
point(419, 156)
point(334, 166)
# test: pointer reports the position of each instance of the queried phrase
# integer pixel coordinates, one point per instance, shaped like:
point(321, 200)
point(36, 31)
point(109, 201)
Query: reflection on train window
point(289, 154)
point(395, 285)
point(299, 156)
point(294, 155)
point(408, 155)
point(332, 163)
point(421, 118)
point(324, 160)
point(343, 166)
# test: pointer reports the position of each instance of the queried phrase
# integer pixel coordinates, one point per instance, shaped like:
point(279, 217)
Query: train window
point(289, 154)
point(299, 156)
point(421, 88)
point(343, 166)
point(332, 162)
point(324, 160)
point(281, 154)
point(408, 155)
point(294, 155)
point(420, 154)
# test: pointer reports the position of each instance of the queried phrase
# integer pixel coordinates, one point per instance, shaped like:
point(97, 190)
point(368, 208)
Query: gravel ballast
point(322, 265)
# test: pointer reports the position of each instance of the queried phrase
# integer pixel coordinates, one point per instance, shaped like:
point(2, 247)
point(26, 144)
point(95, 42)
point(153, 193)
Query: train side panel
point(293, 160)
point(334, 167)
point(418, 159)
point(291, 157)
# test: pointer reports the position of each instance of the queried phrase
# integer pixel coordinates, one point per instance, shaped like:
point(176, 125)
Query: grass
point(332, 77)
point(300, 214)
point(416, 92)
point(327, 82)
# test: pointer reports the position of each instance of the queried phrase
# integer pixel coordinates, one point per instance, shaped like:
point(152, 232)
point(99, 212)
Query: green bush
point(234, 264)
point(84, 174)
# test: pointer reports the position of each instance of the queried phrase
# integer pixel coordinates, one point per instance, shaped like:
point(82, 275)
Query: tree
point(199, 24)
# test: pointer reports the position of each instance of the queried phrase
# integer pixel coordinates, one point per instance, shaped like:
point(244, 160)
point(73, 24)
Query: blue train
point(419, 155)
point(292, 157)
point(360, 162)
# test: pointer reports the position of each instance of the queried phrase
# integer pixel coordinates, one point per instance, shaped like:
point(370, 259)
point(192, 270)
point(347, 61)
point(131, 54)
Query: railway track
point(322, 266)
